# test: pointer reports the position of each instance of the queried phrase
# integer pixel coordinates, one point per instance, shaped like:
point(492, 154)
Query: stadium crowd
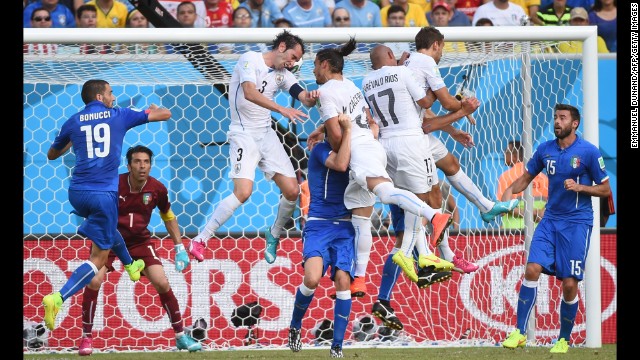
point(329, 13)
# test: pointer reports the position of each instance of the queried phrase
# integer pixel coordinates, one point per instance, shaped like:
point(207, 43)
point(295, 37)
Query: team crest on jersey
point(279, 79)
point(575, 162)
point(246, 64)
point(146, 198)
point(237, 168)
point(601, 162)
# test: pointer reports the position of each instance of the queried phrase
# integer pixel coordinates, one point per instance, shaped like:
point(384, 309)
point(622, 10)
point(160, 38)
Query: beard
point(561, 133)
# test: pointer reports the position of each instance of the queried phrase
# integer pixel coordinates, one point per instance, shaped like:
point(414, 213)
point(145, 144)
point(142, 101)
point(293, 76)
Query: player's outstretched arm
point(158, 114)
point(469, 105)
point(309, 98)
point(252, 94)
point(517, 186)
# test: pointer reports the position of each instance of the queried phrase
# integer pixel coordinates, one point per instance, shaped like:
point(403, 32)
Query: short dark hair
point(575, 113)
point(336, 55)
point(138, 149)
point(518, 147)
point(394, 9)
point(484, 21)
point(289, 40)
point(85, 7)
point(185, 3)
point(33, 13)
point(427, 36)
point(91, 88)
point(283, 20)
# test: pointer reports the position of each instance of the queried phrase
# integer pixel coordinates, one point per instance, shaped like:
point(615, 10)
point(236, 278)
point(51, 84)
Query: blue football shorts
point(333, 241)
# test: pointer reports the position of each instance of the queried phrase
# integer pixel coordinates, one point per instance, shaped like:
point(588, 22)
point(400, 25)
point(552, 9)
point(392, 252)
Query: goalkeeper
point(138, 194)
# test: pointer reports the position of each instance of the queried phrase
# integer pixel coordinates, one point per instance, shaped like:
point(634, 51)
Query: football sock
point(364, 240)
point(342, 310)
point(89, 302)
point(461, 182)
point(445, 251)
point(285, 210)
point(526, 302)
point(303, 298)
point(412, 226)
point(170, 305)
point(120, 249)
point(80, 278)
point(390, 274)
point(568, 311)
point(406, 200)
point(220, 215)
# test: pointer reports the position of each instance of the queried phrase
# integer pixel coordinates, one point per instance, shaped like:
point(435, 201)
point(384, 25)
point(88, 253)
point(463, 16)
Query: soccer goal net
point(517, 73)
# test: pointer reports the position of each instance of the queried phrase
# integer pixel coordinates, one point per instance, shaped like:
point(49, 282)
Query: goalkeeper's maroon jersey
point(134, 209)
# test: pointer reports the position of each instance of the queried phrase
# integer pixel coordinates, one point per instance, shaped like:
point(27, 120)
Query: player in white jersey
point(253, 143)
point(396, 97)
point(423, 62)
point(368, 175)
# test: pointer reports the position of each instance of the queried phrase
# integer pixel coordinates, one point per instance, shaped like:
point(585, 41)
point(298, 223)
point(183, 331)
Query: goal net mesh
point(192, 160)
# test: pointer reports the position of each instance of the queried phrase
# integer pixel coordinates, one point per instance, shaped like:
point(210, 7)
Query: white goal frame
point(586, 34)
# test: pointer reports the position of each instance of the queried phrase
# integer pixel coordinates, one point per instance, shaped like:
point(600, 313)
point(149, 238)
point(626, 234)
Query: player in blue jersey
point(328, 237)
point(96, 134)
point(561, 241)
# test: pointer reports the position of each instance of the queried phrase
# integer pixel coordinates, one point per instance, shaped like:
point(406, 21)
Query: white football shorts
point(263, 149)
point(410, 163)
point(368, 159)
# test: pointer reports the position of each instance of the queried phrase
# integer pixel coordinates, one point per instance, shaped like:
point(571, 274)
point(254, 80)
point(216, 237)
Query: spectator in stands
point(513, 157)
point(307, 13)
point(263, 12)
point(604, 15)
point(501, 13)
point(40, 18)
point(242, 19)
point(424, 4)
point(282, 23)
point(441, 14)
point(135, 19)
point(587, 4)
point(341, 17)
point(555, 14)
point(530, 8)
point(219, 14)
point(61, 16)
point(395, 17)
point(186, 14)
point(111, 13)
point(580, 17)
point(456, 18)
point(363, 13)
point(468, 7)
point(87, 16)
point(414, 16)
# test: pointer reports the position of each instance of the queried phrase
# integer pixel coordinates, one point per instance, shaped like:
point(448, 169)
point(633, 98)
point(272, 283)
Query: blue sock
point(80, 278)
point(342, 310)
point(568, 311)
point(390, 274)
point(300, 306)
point(526, 302)
point(120, 249)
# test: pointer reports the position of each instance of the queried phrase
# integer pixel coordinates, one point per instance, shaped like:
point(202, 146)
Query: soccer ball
point(364, 328)
point(296, 67)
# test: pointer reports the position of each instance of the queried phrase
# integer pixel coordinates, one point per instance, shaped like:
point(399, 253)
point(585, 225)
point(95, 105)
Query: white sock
point(304, 290)
point(421, 243)
point(363, 240)
point(461, 182)
point(412, 225)
point(285, 210)
point(445, 251)
point(220, 215)
point(406, 200)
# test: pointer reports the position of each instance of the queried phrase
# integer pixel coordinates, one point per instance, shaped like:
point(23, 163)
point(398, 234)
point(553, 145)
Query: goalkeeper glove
point(181, 258)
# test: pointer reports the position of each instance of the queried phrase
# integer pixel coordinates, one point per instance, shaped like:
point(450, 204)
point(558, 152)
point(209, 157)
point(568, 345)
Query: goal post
point(517, 89)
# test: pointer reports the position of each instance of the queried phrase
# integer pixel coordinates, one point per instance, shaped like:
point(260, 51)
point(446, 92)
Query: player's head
point(139, 159)
point(432, 40)
point(514, 153)
point(380, 56)
point(288, 49)
point(566, 119)
point(331, 61)
point(100, 90)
